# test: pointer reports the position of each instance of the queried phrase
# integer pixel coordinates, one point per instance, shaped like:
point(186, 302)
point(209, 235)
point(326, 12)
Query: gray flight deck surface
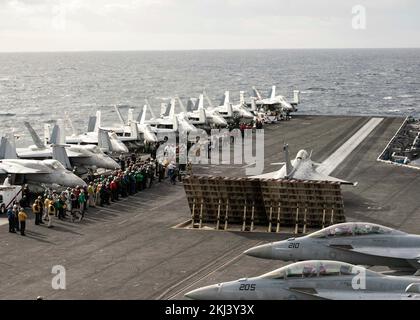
point(131, 251)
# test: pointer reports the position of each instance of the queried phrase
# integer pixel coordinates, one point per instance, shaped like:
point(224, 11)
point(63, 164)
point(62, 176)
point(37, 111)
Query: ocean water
point(41, 87)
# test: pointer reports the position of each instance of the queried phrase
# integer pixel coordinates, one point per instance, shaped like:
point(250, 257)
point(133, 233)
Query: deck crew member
point(51, 213)
point(46, 206)
point(16, 215)
point(11, 218)
point(37, 210)
point(22, 220)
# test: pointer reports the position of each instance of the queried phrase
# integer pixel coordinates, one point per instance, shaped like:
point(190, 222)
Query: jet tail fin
point(98, 121)
point(272, 92)
point(253, 105)
point(60, 154)
point(181, 104)
point(8, 147)
point(130, 117)
point(117, 110)
point(149, 107)
point(67, 117)
point(172, 108)
point(296, 97)
point(134, 129)
point(202, 115)
point(226, 99)
point(57, 135)
point(242, 97)
point(208, 99)
point(36, 139)
point(257, 93)
point(163, 109)
point(91, 124)
point(289, 166)
point(142, 115)
point(104, 142)
point(227, 104)
point(192, 105)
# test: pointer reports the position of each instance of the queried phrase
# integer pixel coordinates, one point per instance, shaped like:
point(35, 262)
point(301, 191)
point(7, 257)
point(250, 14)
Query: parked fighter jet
point(358, 243)
point(194, 112)
point(214, 118)
point(225, 109)
point(315, 280)
point(184, 124)
point(241, 111)
point(274, 102)
point(145, 130)
point(160, 126)
point(82, 157)
point(107, 141)
point(36, 173)
point(302, 168)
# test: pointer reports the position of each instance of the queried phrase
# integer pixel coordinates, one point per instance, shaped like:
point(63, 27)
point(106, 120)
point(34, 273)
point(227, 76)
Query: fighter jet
point(301, 168)
point(82, 157)
point(194, 112)
point(215, 119)
point(144, 129)
point(168, 111)
point(225, 109)
point(358, 243)
point(315, 280)
point(160, 126)
point(107, 141)
point(277, 102)
point(241, 110)
point(36, 173)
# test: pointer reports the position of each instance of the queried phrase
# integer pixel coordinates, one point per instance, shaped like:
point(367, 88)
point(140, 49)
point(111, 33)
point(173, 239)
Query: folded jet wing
point(22, 167)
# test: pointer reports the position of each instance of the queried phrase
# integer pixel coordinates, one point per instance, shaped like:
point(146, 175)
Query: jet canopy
point(94, 149)
point(55, 165)
point(311, 269)
point(353, 229)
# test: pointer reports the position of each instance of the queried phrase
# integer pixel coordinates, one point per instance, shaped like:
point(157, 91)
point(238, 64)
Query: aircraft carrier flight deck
point(131, 250)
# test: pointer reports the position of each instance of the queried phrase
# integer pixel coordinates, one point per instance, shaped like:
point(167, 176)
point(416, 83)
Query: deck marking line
point(333, 161)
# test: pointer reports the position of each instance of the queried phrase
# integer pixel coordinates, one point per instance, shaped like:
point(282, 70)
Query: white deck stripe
point(3, 221)
point(329, 165)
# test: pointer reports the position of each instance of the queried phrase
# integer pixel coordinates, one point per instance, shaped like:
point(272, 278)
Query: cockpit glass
point(96, 149)
point(56, 165)
point(311, 269)
point(351, 229)
point(277, 274)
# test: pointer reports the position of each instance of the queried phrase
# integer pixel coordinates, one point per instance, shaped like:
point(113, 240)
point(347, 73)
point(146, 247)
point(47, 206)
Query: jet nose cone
point(150, 137)
point(112, 164)
point(263, 252)
point(206, 293)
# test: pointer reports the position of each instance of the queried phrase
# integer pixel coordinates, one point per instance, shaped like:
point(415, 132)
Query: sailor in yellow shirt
point(46, 206)
point(51, 213)
point(22, 221)
point(37, 211)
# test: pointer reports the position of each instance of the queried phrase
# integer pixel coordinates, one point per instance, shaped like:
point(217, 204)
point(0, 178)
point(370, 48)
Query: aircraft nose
point(111, 164)
point(206, 293)
point(150, 137)
point(76, 181)
point(263, 252)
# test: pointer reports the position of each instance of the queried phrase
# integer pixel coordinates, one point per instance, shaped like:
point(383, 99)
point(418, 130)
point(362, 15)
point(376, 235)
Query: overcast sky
point(73, 25)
